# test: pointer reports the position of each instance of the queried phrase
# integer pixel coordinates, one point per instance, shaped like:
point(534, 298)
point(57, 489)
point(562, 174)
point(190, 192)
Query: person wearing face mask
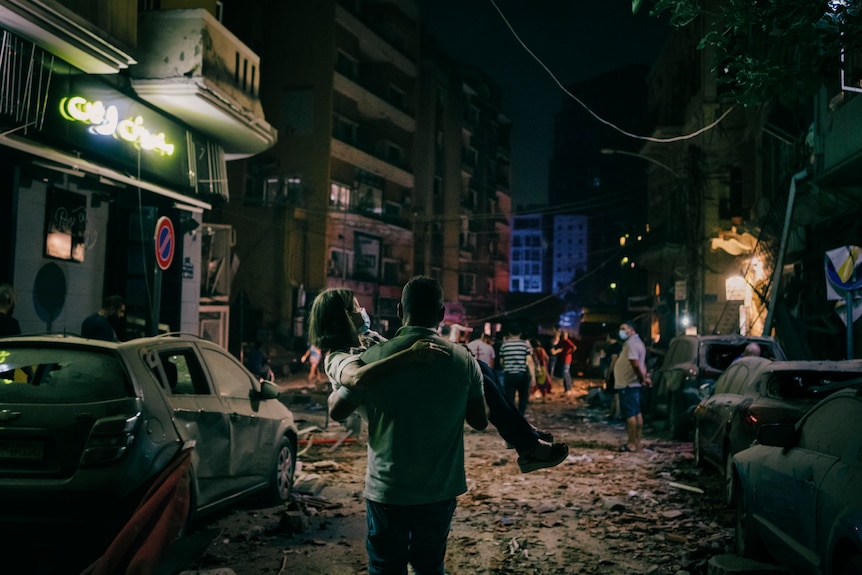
point(630, 375)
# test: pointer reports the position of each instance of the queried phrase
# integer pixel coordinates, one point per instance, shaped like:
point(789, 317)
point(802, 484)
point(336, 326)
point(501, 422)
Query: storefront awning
point(70, 162)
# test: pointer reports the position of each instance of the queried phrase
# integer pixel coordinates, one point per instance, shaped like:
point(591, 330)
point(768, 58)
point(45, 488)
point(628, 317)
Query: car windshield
point(53, 374)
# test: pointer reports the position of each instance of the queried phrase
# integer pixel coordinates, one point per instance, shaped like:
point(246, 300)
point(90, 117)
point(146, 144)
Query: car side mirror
point(777, 435)
point(269, 390)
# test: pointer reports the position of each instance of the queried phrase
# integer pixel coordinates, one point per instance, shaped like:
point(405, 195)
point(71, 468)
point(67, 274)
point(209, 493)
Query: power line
point(587, 108)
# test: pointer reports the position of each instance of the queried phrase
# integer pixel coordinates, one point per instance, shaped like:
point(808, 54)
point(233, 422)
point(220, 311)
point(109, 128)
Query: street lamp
point(609, 152)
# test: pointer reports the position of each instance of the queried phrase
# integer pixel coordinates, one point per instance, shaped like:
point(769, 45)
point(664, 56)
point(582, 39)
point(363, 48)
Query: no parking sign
point(165, 242)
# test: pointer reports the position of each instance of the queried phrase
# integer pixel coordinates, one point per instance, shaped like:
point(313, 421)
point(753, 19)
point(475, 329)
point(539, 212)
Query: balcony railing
point(193, 67)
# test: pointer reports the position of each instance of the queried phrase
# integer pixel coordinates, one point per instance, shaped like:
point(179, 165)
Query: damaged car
point(798, 495)
point(755, 391)
point(87, 426)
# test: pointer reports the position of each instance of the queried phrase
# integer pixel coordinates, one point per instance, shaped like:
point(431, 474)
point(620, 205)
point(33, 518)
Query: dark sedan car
point(755, 391)
point(799, 496)
point(691, 362)
point(86, 426)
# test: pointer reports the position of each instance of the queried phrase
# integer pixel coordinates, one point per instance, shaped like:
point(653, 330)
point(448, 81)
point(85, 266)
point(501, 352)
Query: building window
point(370, 199)
point(340, 263)
point(346, 65)
point(344, 129)
point(396, 96)
point(339, 196)
point(394, 154)
point(471, 157)
point(392, 210)
point(466, 284)
point(471, 115)
point(275, 191)
point(438, 185)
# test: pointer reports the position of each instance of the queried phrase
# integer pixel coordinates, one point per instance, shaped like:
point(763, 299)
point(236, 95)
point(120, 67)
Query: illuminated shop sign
point(105, 121)
point(100, 123)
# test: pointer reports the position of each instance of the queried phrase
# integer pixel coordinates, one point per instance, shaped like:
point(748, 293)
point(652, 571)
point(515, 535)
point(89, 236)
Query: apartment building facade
point(331, 204)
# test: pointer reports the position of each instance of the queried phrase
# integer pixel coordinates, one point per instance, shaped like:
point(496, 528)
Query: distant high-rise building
point(530, 261)
point(462, 200)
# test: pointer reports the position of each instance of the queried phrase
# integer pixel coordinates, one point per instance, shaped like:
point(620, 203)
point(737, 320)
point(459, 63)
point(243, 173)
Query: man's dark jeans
point(401, 534)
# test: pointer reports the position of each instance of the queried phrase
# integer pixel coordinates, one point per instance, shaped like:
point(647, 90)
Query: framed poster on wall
point(65, 225)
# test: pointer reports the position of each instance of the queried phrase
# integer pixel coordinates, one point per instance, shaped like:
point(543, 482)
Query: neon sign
point(104, 121)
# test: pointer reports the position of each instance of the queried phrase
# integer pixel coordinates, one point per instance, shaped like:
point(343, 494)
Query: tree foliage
point(771, 50)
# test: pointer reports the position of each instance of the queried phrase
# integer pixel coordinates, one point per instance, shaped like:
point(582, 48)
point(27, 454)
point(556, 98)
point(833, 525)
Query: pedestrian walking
point(564, 350)
point(541, 358)
point(313, 356)
point(516, 355)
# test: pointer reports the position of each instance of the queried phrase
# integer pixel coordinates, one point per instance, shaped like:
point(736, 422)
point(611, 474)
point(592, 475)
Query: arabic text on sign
point(105, 121)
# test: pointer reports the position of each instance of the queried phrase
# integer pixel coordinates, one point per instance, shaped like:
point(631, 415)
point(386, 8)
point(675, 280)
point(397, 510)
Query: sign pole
point(157, 301)
point(848, 311)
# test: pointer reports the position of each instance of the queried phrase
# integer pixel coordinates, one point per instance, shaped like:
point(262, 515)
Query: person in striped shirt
point(519, 369)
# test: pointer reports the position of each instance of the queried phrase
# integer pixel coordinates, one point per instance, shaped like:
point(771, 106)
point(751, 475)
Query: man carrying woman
point(417, 391)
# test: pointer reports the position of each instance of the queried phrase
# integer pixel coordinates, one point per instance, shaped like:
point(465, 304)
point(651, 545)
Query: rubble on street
point(600, 511)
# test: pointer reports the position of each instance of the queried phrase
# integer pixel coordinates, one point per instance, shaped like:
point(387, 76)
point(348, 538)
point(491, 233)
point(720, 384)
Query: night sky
point(576, 39)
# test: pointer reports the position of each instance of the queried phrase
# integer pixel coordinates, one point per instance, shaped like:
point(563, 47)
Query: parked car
point(86, 425)
point(798, 490)
point(692, 361)
point(755, 391)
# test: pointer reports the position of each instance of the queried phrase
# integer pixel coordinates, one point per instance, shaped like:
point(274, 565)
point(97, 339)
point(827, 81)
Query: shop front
point(90, 175)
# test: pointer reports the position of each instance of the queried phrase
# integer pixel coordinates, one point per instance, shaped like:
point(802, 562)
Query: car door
point(713, 415)
point(199, 416)
point(789, 483)
point(253, 429)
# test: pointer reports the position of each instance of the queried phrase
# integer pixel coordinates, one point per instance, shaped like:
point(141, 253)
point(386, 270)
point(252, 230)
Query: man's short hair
point(422, 300)
point(113, 302)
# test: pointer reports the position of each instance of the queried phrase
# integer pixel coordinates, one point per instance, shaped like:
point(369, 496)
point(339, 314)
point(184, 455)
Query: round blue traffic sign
point(165, 242)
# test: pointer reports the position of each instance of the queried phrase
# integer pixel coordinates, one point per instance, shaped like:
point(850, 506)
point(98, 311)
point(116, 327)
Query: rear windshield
point(60, 375)
point(808, 384)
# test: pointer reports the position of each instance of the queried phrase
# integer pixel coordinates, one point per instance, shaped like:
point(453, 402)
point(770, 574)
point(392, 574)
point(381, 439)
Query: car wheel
point(676, 417)
point(730, 486)
point(281, 478)
point(698, 449)
point(748, 543)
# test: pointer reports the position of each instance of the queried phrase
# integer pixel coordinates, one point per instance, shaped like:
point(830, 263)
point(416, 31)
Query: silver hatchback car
point(86, 426)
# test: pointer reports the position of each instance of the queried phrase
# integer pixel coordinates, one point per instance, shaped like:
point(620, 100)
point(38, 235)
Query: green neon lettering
point(105, 121)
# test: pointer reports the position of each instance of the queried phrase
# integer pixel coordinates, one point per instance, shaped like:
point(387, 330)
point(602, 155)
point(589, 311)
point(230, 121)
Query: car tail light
point(109, 439)
point(750, 416)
